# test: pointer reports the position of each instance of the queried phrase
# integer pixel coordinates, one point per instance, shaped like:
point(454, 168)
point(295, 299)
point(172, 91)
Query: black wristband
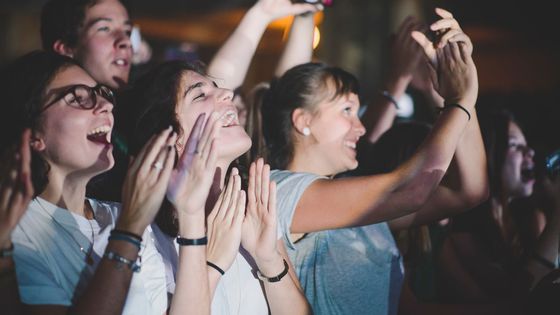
point(220, 270)
point(275, 278)
point(136, 236)
point(192, 241)
point(7, 252)
point(451, 105)
point(543, 261)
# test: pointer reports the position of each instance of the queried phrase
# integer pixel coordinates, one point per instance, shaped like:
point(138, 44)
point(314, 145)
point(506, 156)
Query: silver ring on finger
point(158, 165)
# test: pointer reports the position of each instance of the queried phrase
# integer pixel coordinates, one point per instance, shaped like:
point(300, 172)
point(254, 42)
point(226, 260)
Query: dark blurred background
point(517, 44)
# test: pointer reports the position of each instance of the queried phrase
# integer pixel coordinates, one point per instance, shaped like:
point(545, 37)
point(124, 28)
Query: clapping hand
point(16, 189)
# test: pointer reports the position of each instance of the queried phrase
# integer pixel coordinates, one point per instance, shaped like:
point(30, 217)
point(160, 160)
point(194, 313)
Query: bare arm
point(143, 193)
point(299, 48)
point(549, 241)
point(466, 188)
point(229, 66)
point(259, 238)
point(410, 185)
point(405, 56)
point(16, 191)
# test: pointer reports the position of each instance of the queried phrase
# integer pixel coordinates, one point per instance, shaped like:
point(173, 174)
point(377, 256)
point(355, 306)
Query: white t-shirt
point(238, 291)
point(51, 269)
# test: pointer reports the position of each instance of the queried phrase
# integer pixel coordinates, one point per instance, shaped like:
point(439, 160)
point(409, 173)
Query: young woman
point(486, 257)
point(176, 93)
point(311, 129)
point(80, 255)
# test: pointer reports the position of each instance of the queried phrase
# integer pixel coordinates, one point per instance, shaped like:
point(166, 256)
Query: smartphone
point(552, 163)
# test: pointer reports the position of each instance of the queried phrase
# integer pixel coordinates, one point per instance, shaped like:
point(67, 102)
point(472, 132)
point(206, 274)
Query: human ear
point(62, 48)
point(301, 120)
point(37, 143)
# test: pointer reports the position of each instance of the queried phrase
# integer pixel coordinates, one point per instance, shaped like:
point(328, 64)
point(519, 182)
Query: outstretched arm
point(229, 66)
point(404, 59)
point(299, 48)
point(467, 182)
point(408, 187)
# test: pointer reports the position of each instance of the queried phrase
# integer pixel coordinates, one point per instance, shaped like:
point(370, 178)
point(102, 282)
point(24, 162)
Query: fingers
point(192, 143)
point(445, 24)
point(25, 152)
point(148, 153)
point(210, 134)
point(445, 38)
point(300, 8)
point(161, 164)
point(426, 45)
point(258, 180)
point(240, 208)
point(226, 201)
point(272, 200)
point(169, 159)
point(251, 196)
point(444, 13)
point(265, 180)
point(232, 207)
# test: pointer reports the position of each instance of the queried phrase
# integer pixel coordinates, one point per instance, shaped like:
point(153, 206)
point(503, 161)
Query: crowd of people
point(156, 196)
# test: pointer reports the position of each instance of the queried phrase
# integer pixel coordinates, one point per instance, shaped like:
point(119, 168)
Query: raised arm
point(545, 256)
point(260, 239)
point(404, 60)
point(230, 64)
point(188, 190)
point(329, 204)
point(466, 184)
point(299, 47)
point(16, 191)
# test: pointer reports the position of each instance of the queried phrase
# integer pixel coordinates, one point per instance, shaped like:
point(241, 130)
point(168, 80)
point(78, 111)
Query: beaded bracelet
point(133, 265)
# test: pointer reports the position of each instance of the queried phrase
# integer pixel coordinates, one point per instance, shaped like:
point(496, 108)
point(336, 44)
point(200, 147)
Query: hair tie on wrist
point(192, 241)
point(455, 105)
point(390, 97)
point(220, 270)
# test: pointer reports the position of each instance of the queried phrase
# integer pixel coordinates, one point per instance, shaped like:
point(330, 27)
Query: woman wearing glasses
point(77, 254)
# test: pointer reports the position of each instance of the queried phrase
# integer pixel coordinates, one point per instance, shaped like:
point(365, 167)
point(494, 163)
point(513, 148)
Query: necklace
point(89, 252)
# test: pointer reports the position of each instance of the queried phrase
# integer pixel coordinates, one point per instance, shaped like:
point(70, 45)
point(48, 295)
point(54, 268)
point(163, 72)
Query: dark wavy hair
point(303, 86)
point(23, 87)
point(147, 109)
point(62, 20)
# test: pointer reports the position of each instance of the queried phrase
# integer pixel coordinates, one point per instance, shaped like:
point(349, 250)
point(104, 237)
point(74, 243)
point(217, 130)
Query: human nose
point(103, 105)
point(122, 40)
point(224, 95)
point(359, 127)
point(528, 152)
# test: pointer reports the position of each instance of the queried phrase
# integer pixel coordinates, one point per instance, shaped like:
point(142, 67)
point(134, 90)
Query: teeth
point(350, 144)
point(120, 62)
point(229, 118)
point(100, 130)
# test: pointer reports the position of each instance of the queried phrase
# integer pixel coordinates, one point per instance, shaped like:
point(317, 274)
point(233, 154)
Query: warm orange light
point(316, 37)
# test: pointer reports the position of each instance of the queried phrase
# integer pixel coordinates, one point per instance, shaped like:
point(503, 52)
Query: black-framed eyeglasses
point(83, 96)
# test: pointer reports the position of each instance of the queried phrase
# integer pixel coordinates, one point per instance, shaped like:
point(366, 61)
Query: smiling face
point(72, 139)
point(196, 95)
point(104, 47)
point(517, 173)
point(335, 130)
